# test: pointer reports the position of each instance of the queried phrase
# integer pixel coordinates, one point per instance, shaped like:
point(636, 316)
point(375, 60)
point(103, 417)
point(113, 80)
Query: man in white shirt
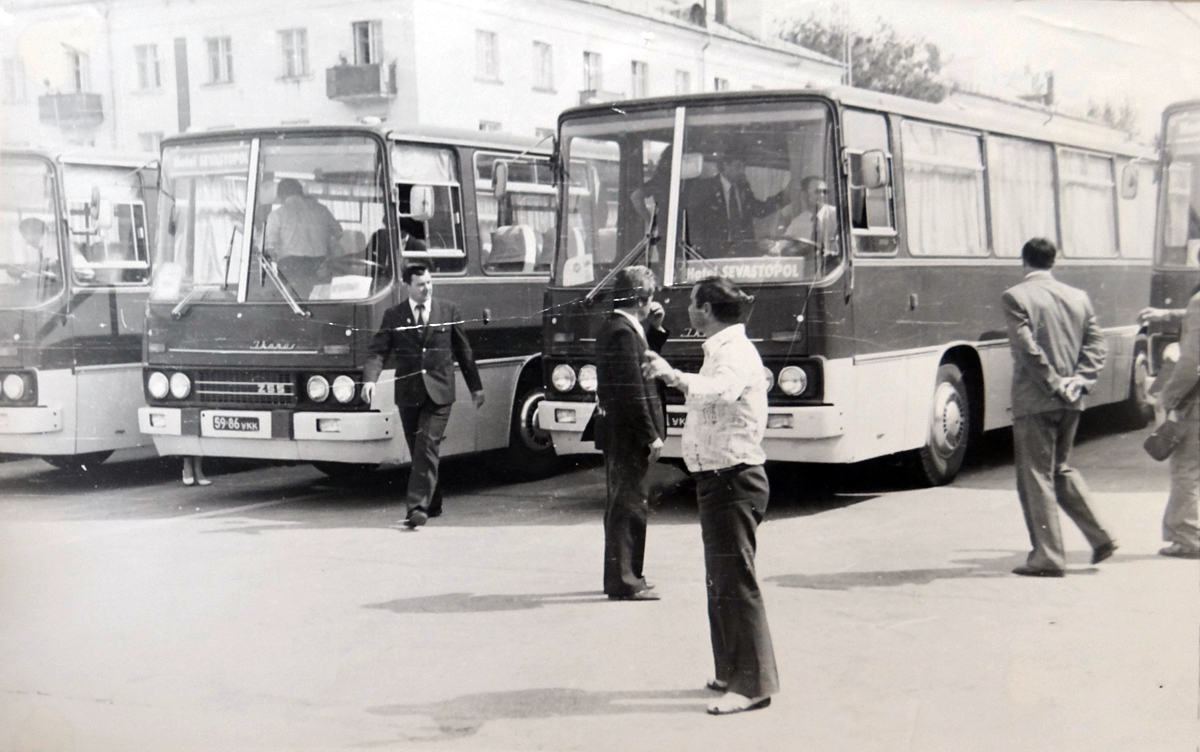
point(816, 225)
point(722, 447)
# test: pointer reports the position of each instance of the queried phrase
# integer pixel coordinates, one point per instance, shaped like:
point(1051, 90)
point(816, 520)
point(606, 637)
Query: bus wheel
point(77, 462)
point(949, 429)
point(530, 454)
point(1138, 408)
point(345, 470)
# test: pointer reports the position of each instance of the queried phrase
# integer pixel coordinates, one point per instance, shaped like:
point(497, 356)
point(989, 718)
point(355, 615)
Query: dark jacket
point(630, 412)
point(1053, 334)
point(423, 357)
point(1176, 389)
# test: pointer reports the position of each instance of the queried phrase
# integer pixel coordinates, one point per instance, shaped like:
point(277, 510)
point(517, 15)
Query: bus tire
point(530, 453)
point(77, 463)
point(939, 461)
point(346, 470)
point(1138, 408)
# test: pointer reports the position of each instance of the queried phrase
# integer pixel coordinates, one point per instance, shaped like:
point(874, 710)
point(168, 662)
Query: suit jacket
point(423, 356)
point(713, 225)
point(1184, 375)
point(1053, 334)
point(630, 413)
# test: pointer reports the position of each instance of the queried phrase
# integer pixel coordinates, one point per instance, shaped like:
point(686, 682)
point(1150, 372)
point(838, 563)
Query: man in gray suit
point(1058, 352)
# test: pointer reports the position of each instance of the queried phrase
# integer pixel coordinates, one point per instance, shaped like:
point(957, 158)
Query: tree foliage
point(880, 60)
point(1121, 117)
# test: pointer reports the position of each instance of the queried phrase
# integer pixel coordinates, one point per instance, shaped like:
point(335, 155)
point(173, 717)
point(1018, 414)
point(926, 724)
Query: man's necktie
point(420, 314)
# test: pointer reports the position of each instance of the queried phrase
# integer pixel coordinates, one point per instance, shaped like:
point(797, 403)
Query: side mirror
point(420, 203)
point(874, 169)
point(1129, 181)
point(693, 164)
point(499, 179)
point(104, 210)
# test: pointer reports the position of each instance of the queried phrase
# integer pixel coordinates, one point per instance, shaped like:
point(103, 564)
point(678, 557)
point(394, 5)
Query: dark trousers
point(731, 506)
point(424, 429)
point(1042, 447)
point(625, 520)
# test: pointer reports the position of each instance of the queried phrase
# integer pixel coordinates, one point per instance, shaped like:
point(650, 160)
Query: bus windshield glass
point(1181, 199)
point(316, 222)
point(107, 224)
point(30, 267)
point(750, 183)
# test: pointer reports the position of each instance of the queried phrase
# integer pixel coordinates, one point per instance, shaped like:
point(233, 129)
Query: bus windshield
point(750, 182)
point(1181, 199)
point(316, 224)
point(30, 268)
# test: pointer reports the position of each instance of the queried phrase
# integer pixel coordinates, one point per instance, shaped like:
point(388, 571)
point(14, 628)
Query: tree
point(881, 60)
point(1121, 117)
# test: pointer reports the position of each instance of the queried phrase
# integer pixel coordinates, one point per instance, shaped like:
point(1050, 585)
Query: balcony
point(71, 111)
point(596, 96)
point(360, 83)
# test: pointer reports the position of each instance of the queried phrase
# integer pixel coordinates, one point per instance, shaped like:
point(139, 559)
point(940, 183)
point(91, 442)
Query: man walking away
point(1058, 352)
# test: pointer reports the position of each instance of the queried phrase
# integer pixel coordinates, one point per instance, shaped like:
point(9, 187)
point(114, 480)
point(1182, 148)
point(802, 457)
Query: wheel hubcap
point(947, 419)
point(531, 430)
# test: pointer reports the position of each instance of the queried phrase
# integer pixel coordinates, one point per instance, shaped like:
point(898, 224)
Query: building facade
point(123, 74)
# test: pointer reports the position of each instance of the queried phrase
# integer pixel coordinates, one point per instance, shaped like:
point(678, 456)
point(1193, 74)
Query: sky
point(1144, 52)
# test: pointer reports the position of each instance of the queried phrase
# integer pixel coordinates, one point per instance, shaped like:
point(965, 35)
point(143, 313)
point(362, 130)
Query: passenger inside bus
point(814, 228)
point(301, 236)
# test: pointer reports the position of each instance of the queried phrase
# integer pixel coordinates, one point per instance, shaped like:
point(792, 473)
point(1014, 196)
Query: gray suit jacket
point(1183, 375)
point(1053, 334)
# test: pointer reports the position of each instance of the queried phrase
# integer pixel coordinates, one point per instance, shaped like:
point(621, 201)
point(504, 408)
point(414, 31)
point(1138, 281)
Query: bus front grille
point(257, 388)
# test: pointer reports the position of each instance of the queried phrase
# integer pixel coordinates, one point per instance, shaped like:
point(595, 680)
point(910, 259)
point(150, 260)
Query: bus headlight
point(793, 380)
point(587, 378)
point(158, 385)
point(318, 388)
point(181, 385)
point(770, 377)
point(343, 389)
point(563, 377)
point(14, 386)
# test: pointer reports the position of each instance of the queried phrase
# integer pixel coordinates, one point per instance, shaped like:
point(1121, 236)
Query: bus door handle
point(487, 315)
point(913, 300)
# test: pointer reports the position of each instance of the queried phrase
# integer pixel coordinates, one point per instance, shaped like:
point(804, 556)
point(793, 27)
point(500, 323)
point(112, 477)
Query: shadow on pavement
point(463, 716)
point(459, 603)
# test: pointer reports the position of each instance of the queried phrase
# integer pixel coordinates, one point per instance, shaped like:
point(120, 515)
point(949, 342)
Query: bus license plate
point(676, 420)
point(235, 423)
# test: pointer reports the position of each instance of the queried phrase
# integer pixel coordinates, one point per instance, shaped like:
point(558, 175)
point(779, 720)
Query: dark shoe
point(415, 519)
point(641, 595)
point(732, 702)
point(1179, 551)
point(1103, 551)
point(434, 512)
point(1035, 572)
point(717, 685)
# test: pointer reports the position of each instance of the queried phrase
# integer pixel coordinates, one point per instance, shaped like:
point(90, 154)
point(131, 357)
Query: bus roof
point(1042, 126)
point(420, 133)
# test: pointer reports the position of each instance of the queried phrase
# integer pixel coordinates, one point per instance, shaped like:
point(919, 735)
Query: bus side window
point(872, 214)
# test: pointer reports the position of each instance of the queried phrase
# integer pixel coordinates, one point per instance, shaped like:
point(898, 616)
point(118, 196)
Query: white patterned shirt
point(726, 404)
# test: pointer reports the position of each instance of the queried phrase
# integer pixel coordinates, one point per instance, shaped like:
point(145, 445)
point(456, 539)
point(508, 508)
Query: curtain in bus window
point(422, 165)
point(220, 206)
point(943, 184)
point(1088, 212)
point(1136, 215)
point(1021, 183)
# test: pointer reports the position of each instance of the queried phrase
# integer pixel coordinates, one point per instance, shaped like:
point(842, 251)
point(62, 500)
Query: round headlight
point(793, 380)
point(181, 385)
point(587, 378)
point(770, 377)
point(158, 385)
point(563, 377)
point(14, 386)
point(318, 388)
point(343, 389)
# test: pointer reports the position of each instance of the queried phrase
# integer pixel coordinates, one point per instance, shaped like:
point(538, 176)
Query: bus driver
point(816, 226)
point(301, 233)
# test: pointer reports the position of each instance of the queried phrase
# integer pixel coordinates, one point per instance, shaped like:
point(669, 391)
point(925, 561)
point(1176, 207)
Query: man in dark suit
point(1058, 351)
point(630, 427)
point(422, 338)
point(721, 208)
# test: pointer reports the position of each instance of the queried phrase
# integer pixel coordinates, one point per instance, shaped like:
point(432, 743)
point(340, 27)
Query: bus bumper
point(565, 421)
point(30, 420)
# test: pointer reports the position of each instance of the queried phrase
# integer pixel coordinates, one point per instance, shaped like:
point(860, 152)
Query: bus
point(881, 235)
point(1177, 239)
point(251, 352)
point(76, 230)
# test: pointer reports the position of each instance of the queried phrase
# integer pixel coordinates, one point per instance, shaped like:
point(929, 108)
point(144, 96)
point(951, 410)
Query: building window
point(81, 70)
point(487, 66)
point(683, 82)
point(639, 79)
point(220, 60)
point(148, 72)
point(593, 79)
point(489, 125)
point(543, 66)
point(368, 42)
point(150, 141)
point(294, 44)
point(720, 84)
point(14, 80)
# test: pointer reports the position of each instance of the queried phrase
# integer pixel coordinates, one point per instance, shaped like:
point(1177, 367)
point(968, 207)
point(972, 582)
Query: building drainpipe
point(112, 83)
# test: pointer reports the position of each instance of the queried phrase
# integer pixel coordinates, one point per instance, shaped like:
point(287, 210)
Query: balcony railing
point(351, 83)
point(72, 110)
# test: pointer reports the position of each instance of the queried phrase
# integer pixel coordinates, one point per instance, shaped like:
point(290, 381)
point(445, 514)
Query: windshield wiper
point(642, 247)
point(289, 295)
point(182, 306)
